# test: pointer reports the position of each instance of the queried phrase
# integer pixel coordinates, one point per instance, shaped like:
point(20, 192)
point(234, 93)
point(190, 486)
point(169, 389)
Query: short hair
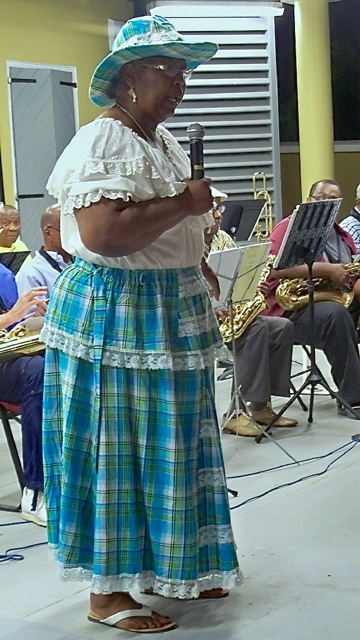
point(48, 215)
point(8, 208)
point(325, 181)
point(358, 192)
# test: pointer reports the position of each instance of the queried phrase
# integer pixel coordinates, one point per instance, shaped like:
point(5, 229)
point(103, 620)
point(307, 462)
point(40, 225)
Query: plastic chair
point(9, 411)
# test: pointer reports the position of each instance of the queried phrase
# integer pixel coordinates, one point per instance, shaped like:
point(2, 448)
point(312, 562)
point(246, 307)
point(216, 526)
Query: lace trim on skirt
point(116, 357)
point(182, 589)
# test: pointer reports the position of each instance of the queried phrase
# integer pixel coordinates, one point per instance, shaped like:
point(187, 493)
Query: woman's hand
point(198, 197)
point(25, 302)
point(212, 280)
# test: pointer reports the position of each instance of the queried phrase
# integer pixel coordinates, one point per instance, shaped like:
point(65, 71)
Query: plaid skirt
point(134, 477)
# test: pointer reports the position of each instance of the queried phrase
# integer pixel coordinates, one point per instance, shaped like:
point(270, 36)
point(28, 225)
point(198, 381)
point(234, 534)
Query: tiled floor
point(298, 548)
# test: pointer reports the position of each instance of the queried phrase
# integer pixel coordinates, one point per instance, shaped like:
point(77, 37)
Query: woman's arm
point(116, 228)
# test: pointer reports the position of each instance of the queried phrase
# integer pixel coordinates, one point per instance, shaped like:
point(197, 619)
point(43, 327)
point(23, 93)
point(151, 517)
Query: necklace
point(135, 122)
point(164, 142)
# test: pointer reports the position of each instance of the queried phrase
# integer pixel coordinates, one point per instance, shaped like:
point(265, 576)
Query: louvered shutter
point(234, 96)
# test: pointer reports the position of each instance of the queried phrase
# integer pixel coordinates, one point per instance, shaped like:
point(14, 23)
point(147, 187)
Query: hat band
point(155, 37)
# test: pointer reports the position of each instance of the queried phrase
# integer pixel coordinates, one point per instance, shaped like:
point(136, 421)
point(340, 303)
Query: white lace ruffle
point(86, 199)
point(214, 534)
point(181, 589)
point(191, 288)
point(208, 429)
point(117, 357)
point(214, 477)
point(195, 326)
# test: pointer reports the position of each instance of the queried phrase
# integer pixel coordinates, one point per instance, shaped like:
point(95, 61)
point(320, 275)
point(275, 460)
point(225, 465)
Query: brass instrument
point(263, 234)
point(19, 342)
point(246, 312)
point(292, 294)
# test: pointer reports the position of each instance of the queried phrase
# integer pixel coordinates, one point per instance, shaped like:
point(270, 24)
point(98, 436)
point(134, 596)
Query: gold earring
point(132, 94)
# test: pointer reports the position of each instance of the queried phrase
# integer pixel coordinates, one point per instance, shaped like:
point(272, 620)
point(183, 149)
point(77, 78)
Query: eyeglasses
point(171, 71)
point(54, 228)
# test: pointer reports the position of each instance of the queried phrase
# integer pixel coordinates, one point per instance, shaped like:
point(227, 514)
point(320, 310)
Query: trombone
point(263, 234)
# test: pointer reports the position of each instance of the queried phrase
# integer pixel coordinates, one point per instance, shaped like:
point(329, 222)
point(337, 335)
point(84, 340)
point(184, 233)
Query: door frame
point(36, 65)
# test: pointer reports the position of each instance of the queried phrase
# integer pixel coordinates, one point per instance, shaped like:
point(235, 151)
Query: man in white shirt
point(51, 260)
point(351, 224)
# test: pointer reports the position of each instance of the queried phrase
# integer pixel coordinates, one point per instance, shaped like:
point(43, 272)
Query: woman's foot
point(104, 606)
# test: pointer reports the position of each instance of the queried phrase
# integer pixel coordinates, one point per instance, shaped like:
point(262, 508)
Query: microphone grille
point(195, 131)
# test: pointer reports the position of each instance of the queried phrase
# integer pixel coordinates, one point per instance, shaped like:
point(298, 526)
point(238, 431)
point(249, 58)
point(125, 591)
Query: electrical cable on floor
point(290, 484)
point(292, 464)
point(4, 557)
point(17, 556)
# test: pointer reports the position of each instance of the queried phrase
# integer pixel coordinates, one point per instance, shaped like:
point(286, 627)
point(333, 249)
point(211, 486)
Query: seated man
point(334, 327)
point(262, 361)
point(10, 230)
point(51, 260)
point(351, 224)
point(21, 382)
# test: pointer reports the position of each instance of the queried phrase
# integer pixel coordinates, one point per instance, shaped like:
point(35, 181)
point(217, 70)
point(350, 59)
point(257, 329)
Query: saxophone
point(19, 342)
point(246, 312)
point(292, 294)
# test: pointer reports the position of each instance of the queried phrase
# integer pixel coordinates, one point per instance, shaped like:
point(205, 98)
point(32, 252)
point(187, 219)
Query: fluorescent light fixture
point(230, 9)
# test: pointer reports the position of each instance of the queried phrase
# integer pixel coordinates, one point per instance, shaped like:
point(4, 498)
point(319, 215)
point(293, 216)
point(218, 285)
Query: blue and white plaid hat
point(142, 38)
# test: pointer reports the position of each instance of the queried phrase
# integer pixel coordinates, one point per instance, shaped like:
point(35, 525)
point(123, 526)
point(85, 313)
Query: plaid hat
point(142, 38)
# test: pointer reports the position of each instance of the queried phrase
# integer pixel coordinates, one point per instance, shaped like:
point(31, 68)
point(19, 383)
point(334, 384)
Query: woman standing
point(135, 483)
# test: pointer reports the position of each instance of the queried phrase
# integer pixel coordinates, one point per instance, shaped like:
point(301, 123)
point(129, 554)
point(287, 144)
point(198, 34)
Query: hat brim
point(103, 83)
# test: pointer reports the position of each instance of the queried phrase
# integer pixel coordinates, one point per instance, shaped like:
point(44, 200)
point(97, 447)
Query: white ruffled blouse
point(107, 159)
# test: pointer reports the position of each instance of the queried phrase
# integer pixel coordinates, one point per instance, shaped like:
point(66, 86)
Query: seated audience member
point(351, 224)
point(10, 230)
point(51, 260)
point(262, 360)
point(215, 238)
point(334, 327)
point(21, 382)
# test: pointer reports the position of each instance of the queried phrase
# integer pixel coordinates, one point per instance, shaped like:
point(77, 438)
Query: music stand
point(13, 260)
point(304, 243)
point(241, 275)
point(240, 218)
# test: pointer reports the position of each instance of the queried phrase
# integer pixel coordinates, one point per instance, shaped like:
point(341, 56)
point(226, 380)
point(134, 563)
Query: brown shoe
point(265, 415)
point(242, 426)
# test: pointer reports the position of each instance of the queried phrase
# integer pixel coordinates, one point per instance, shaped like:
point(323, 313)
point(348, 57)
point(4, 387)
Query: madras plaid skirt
point(134, 477)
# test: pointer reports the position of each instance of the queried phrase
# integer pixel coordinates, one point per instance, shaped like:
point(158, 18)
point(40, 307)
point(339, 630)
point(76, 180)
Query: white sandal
point(144, 612)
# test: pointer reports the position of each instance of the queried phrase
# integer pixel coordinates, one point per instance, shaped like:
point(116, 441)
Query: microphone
point(195, 134)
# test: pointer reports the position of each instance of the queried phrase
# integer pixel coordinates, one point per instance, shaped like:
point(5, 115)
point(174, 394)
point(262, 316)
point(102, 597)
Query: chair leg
point(14, 456)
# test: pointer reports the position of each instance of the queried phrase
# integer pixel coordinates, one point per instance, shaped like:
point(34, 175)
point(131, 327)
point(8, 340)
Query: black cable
point(290, 484)
point(291, 464)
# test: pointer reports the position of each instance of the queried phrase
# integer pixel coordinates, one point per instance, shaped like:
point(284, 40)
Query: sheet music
point(238, 271)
